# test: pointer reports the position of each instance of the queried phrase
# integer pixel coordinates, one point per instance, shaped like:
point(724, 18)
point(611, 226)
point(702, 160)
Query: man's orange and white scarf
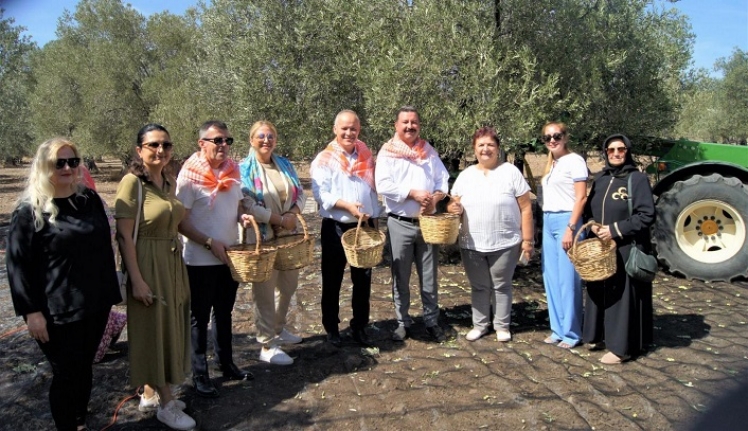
point(333, 157)
point(396, 148)
point(198, 170)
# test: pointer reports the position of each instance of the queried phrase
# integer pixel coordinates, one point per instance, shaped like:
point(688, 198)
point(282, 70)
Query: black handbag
point(640, 266)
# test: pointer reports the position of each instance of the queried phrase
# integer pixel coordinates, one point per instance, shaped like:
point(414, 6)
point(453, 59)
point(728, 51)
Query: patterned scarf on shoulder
point(398, 149)
point(198, 170)
point(334, 158)
point(251, 179)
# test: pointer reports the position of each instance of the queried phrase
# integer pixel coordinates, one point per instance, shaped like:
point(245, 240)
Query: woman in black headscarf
point(618, 311)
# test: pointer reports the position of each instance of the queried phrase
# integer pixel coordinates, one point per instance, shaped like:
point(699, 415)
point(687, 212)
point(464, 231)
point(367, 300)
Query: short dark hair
point(406, 108)
point(217, 124)
point(486, 131)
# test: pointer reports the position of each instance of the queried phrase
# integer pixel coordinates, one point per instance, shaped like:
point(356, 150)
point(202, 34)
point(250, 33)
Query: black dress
point(618, 310)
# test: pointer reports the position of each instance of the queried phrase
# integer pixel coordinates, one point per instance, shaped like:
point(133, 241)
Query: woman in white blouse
point(497, 227)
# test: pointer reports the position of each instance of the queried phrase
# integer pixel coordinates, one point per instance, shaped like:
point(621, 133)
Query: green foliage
point(602, 66)
point(16, 82)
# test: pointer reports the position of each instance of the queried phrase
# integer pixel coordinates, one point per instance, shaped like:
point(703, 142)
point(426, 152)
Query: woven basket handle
point(303, 226)
point(579, 232)
point(358, 228)
point(257, 235)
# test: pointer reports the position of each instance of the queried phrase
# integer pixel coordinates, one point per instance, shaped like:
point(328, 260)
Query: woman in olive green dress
point(158, 297)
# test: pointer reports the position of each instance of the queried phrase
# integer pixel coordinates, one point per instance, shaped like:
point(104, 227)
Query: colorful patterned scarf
point(334, 157)
point(198, 170)
point(251, 176)
point(398, 149)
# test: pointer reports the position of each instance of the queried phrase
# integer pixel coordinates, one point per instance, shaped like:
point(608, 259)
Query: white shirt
point(395, 178)
point(331, 185)
point(492, 220)
point(558, 185)
point(218, 221)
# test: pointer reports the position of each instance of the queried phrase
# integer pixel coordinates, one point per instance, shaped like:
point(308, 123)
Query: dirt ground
point(700, 355)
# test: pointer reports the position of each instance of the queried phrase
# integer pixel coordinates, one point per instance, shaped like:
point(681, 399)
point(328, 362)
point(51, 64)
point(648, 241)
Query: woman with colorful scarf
point(273, 195)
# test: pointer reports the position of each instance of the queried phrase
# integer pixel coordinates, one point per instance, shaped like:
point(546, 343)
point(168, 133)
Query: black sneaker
point(437, 333)
point(359, 336)
point(334, 339)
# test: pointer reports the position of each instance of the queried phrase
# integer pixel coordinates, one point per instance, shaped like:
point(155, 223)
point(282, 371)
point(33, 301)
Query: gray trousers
point(490, 275)
point(407, 247)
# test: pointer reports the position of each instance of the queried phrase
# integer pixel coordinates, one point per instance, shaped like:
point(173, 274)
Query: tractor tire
point(700, 231)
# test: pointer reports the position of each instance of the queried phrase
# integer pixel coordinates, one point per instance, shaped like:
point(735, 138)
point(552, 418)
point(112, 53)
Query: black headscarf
point(628, 163)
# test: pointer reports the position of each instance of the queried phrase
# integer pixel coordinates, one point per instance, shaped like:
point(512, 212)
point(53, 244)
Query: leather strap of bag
point(631, 206)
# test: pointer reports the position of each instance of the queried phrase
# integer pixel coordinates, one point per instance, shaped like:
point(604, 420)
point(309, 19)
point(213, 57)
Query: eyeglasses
point(262, 136)
point(73, 162)
point(154, 145)
point(612, 150)
point(220, 141)
point(555, 137)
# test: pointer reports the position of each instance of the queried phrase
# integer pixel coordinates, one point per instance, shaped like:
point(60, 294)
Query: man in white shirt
point(210, 189)
point(412, 179)
point(343, 186)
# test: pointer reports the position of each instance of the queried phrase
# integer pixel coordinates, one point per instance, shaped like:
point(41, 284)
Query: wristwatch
point(208, 243)
point(573, 227)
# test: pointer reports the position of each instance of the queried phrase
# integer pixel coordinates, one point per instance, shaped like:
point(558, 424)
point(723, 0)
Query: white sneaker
point(503, 335)
point(174, 418)
point(474, 334)
point(274, 355)
point(286, 337)
point(152, 403)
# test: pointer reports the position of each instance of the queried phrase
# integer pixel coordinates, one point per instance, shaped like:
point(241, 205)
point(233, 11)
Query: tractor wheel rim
point(710, 231)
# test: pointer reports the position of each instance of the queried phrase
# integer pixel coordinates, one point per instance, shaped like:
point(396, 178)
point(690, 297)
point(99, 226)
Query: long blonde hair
point(40, 191)
point(565, 131)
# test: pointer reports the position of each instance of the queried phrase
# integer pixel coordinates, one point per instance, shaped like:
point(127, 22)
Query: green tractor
point(701, 194)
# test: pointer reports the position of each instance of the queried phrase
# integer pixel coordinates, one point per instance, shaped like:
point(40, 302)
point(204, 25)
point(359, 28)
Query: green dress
point(159, 335)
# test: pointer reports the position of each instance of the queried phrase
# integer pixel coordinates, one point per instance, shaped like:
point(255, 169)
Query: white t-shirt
point(218, 221)
point(491, 220)
point(558, 185)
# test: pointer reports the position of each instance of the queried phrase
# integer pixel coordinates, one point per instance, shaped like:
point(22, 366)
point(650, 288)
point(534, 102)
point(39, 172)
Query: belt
point(403, 218)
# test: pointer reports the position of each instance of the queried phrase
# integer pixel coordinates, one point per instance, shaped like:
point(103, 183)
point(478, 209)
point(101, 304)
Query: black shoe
point(359, 336)
point(204, 387)
point(232, 372)
point(437, 333)
point(334, 339)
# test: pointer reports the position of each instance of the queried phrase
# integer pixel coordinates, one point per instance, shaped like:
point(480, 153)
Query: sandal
point(594, 347)
point(567, 346)
point(551, 340)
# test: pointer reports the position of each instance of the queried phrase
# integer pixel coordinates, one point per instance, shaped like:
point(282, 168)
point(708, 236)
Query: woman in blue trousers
point(564, 196)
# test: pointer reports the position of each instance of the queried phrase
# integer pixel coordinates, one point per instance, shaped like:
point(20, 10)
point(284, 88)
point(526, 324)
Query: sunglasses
point(262, 136)
point(220, 141)
point(612, 150)
point(154, 145)
point(555, 137)
point(73, 162)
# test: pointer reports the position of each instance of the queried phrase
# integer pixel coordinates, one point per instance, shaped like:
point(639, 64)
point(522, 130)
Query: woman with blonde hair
point(273, 195)
point(564, 195)
point(62, 274)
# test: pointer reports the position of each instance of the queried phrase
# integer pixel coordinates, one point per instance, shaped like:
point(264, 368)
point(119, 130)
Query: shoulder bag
point(640, 266)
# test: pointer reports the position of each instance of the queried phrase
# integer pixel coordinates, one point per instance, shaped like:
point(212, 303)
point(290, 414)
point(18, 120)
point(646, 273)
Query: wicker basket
point(363, 246)
point(593, 258)
point(294, 251)
point(440, 228)
point(251, 263)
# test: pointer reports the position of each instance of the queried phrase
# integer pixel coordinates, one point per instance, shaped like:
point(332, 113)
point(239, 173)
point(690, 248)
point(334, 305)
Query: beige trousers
point(272, 300)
